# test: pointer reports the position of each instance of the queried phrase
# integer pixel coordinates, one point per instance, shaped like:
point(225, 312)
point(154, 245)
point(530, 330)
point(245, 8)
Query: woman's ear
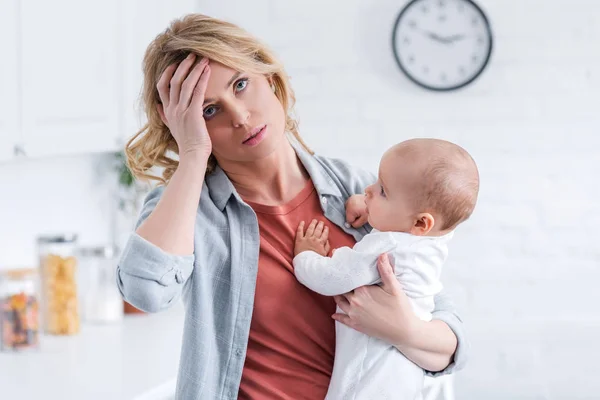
point(271, 82)
point(423, 224)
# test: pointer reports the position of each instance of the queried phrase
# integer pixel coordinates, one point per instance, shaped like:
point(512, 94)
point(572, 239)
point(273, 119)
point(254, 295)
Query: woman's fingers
point(189, 84)
point(344, 319)
point(389, 282)
point(180, 74)
point(163, 85)
point(343, 303)
point(200, 88)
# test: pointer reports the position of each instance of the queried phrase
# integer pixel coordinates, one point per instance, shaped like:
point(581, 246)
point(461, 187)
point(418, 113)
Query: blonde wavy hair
point(219, 41)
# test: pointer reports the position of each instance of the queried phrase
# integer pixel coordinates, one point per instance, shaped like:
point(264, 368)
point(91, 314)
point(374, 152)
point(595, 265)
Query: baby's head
point(425, 187)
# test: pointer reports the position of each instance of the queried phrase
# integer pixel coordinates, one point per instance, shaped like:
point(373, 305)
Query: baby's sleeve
point(347, 269)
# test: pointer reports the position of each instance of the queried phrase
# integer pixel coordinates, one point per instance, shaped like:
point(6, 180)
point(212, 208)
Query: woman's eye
point(241, 85)
point(210, 111)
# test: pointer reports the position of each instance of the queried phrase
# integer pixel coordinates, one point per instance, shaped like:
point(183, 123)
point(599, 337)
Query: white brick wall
point(523, 271)
point(49, 196)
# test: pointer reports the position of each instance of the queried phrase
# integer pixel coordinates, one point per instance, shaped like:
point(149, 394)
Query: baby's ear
point(423, 224)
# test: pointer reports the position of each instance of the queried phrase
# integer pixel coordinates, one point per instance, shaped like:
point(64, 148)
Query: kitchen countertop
point(135, 359)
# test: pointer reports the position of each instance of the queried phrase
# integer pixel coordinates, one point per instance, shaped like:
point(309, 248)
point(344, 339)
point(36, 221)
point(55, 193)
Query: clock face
point(442, 44)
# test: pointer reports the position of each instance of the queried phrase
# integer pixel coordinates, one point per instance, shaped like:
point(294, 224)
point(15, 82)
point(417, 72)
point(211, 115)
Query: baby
point(425, 189)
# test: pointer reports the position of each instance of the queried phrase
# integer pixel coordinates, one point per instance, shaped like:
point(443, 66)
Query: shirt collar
point(221, 189)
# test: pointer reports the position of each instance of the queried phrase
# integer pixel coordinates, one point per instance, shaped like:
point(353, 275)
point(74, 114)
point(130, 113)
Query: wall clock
point(442, 44)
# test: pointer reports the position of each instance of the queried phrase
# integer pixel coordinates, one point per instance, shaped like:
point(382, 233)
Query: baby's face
point(389, 200)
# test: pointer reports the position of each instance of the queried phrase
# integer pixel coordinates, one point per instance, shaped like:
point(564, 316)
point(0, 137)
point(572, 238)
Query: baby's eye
point(382, 192)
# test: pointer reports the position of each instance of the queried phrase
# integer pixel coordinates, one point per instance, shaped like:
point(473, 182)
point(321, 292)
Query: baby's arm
point(345, 270)
point(339, 274)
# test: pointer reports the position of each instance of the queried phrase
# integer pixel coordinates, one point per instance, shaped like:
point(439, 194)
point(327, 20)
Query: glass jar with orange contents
point(19, 308)
point(58, 271)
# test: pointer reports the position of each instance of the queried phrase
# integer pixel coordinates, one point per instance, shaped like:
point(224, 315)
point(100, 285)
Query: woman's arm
point(430, 345)
point(170, 225)
point(158, 257)
point(384, 312)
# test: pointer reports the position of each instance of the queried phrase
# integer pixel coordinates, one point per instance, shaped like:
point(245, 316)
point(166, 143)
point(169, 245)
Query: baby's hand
point(356, 211)
point(314, 239)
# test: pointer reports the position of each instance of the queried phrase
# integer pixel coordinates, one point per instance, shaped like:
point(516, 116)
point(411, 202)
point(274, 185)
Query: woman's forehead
point(220, 74)
point(222, 77)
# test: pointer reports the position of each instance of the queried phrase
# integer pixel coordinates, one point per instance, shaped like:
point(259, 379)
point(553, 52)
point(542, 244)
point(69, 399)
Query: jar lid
point(99, 251)
point(62, 238)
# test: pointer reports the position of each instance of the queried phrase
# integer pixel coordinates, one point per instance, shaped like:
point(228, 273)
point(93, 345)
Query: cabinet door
point(9, 78)
point(144, 20)
point(70, 76)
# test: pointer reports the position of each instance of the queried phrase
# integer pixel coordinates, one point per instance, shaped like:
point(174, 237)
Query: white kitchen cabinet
point(70, 78)
point(9, 72)
point(71, 72)
point(143, 21)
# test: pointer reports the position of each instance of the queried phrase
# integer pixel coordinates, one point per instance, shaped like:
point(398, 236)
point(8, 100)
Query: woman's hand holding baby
point(382, 311)
point(314, 239)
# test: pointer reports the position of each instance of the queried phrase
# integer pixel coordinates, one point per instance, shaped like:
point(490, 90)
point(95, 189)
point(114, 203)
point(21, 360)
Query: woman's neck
point(273, 180)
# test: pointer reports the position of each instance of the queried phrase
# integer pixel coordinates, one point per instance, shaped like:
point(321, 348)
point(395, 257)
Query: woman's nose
point(240, 116)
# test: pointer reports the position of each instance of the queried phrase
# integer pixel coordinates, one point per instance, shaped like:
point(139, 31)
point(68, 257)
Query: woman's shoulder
point(353, 177)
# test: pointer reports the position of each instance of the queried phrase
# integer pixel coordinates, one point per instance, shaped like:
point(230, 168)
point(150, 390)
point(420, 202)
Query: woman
point(237, 181)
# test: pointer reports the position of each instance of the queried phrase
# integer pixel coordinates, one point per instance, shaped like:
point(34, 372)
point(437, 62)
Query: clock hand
point(441, 39)
point(454, 38)
point(434, 36)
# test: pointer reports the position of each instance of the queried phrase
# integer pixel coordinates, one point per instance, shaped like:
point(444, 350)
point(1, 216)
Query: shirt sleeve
point(445, 311)
point(148, 277)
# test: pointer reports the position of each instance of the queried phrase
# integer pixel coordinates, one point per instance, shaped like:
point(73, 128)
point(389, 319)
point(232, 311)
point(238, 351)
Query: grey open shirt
point(218, 280)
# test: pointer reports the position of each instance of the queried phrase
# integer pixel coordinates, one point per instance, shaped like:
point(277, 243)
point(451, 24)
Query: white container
point(101, 300)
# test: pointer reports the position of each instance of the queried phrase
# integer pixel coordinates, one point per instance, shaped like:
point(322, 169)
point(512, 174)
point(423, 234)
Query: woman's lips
point(257, 137)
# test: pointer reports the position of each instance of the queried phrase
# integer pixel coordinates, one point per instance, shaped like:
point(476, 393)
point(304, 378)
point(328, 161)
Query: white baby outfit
point(366, 368)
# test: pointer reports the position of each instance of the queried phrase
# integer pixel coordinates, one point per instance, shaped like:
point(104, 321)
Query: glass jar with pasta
point(58, 272)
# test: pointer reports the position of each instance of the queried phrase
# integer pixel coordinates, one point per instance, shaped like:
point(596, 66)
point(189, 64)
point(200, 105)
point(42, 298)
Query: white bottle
point(101, 300)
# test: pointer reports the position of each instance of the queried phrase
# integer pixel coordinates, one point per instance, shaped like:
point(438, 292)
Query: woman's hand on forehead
point(182, 88)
